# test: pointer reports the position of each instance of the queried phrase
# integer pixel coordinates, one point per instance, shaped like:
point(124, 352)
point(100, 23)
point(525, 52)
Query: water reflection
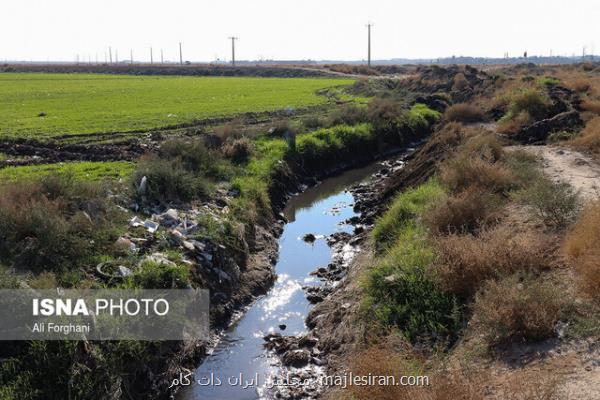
point(319, 210)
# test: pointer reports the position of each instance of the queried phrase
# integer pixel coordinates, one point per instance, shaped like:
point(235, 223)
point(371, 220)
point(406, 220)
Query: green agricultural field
point(84, 171)
point(47, 105)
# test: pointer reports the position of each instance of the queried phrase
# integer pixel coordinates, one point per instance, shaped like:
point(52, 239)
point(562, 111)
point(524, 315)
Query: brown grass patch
point(581, 247)
point(444, 384)
point(580, 85)
point(465, 262)
point(589, 139)
point(514, 125)
point(462, 172)
point(591, 106)
point(464, 112)
point(464, 212)
point(515, 309)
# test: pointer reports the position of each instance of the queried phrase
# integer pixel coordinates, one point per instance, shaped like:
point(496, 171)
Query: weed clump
point(516, 309)
point(464, 212)
point(531, 101)
point(463, 112)
point(463, 172)
point(237, 150)
point(163, 181)
point(555, 204)
point(581, 247)
point(466, 261)
point(406, 207)
point(589, 139)
point(53, 223)
point(349, 114)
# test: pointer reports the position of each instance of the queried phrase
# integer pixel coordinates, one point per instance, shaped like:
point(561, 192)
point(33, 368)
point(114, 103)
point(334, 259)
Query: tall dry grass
point(581, 248)
point(445, 383)
point(464, 212)
point(464, 112)
point(589, 139)
point(465, 262)
point(514, 309)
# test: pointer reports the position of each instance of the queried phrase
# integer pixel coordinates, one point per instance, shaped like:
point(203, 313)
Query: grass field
point(83, 171)
point(46, 105)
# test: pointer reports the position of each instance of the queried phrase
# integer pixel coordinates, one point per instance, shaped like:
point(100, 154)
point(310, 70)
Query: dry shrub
point(555, 204)
point(229, 130)
point(51, 224)
point(514, 125)
point(516, 309)
point(464, 212)
point(579, 85)
point(581, 247)
point(532, 385)
point(590, 136)
point(460, 82)
point(462, 172)
point(591, 106)
point(237, 150)
point(466, 261)
point(464, 112)
point(484, 146)
point(443, 385)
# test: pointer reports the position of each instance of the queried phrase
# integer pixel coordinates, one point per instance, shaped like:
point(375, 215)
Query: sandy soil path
point(567, 165)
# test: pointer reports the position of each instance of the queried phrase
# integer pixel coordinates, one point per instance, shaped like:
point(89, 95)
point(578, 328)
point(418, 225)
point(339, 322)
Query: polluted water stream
point(239, 367)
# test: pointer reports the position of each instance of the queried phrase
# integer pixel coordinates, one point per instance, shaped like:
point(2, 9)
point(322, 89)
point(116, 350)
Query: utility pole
point(110, 54)
point(116, 56)
point(369, 25)
point(180, 55)
point(131, 56)
point(151, 56)
point(162, 60)
point(583, 54)
point(233, 39)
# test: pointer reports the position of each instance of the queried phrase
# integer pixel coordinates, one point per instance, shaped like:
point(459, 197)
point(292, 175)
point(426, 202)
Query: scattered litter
point(151, 226)
point(135, 222)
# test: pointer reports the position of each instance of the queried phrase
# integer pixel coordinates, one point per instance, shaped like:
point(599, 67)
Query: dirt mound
point(32, 152)
point(461, 83)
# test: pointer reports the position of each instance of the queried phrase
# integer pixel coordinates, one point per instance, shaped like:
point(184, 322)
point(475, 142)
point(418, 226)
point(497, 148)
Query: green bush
point(168, 181)
point(406, 207)
point(155, 275)
point(523, 166)
point(326, 146)
point(532, 101)
point(555, 204)
point(421, 117)
point(53, 224)
point(548, 81)
point(194, 156)
point(349, 114)
point(401, 295)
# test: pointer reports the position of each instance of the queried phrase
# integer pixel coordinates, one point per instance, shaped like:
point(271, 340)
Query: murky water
point(320, 210)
